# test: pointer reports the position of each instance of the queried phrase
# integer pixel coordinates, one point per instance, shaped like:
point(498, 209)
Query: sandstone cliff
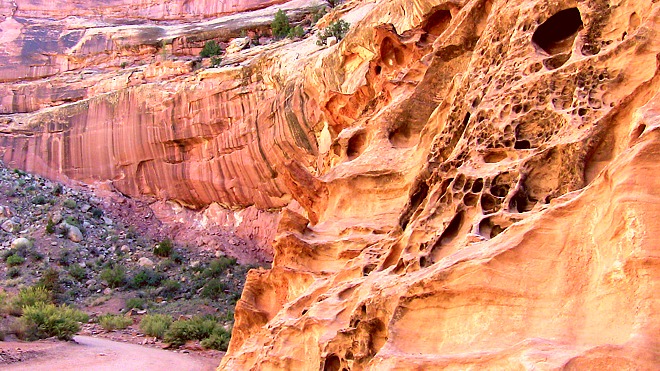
point(460, 184)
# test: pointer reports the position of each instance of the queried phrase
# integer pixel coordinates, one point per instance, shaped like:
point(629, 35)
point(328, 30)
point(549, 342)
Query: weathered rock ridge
point(461, 184)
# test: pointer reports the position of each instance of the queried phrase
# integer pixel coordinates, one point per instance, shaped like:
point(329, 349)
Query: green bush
point(57, 190)
point(111, 322)
point(164, 248)
point(50, 280)
point(213, 289)
point(50, 227)
point(13, 272)
point(196, 328)
point(296, 33)
point(317, 13)
point(217, 267)
point(77, 272)
point(216, 61)
point(146, 277)
point(96, 212)
point(218, 340)
point(338, 29)
point(155, 324)
point(210, 49)
point(45, 320)
point(115, 276)
point(39, 200)
point(65, 257)
point(14, 260)
point(280, 25)
point(137, 303)
point(72, 221)
point(30, 296)
point(4, 254)
point(170, 288)
point(70, 203)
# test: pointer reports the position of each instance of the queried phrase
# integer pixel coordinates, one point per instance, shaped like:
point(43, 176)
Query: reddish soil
point(91, 353)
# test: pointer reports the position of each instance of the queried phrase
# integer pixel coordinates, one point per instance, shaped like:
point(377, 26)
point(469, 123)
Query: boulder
point(8, 226)
point(73, 233)
point(21, 243)
point(145, 262)
point(237, 45)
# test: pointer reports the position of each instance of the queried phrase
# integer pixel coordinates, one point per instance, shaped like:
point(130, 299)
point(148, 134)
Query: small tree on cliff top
point(280, 25)
point(211, 48)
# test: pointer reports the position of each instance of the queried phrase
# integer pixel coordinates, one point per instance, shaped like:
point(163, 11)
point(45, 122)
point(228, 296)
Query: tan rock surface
point(462, 184)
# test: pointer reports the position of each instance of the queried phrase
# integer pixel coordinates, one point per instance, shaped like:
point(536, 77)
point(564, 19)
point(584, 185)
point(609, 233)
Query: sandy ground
point(89, 353)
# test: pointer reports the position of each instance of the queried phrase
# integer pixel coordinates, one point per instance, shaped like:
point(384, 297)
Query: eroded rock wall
point(524, 139)
point(460, 184)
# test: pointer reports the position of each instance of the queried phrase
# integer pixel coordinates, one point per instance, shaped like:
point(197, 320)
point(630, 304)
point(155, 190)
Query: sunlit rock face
point(491, 195)
point(458, 184)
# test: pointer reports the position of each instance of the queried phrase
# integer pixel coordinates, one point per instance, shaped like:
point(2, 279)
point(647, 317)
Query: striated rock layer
point(460, 184)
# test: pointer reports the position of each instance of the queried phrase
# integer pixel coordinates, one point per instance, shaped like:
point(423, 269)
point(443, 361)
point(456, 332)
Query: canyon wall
point(458, 184)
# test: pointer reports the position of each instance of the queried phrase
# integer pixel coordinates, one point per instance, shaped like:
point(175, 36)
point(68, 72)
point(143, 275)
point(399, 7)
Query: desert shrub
point(37, 255)
point(155, 324)
point(334, 3)
point(13, 272)
point(50, 280)
point(177, 257)
point(96, 212)
point(5, 303)
point(338, 29)
point(296, 32)
point(164, 248)
point(146, 277)
point(30, 296)
point(216, 61)
point(211, 48)
point(170, 288)
point(65, 257)
point(131, 232)
point(115, 276)
point(196, 328)
point(70, 203)
point(213, 289)
point(111, 322)
point(137, 303)
point(77, 272)
point(317, 13)
point(218, 266)
point(70, 220)
point(57, 190)
point(44, 320)
point(4, 254)
point(218, 340)
point(280, 25)
point(14, 260)
point(39, 200)
point(50, 227)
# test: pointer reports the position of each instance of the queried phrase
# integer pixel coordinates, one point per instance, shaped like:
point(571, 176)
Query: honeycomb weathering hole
point(438, 22)
point(556, 35)
point(356, 145)
point(390, 54)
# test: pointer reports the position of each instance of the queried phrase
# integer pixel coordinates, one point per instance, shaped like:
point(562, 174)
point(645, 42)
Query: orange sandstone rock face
point(462, 184)
point(491, 195)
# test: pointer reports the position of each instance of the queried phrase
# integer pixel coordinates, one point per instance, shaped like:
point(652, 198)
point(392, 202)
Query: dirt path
point(100, 354)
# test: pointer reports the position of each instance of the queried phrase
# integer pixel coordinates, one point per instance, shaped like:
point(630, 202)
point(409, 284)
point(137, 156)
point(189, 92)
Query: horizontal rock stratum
point(459, 184)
